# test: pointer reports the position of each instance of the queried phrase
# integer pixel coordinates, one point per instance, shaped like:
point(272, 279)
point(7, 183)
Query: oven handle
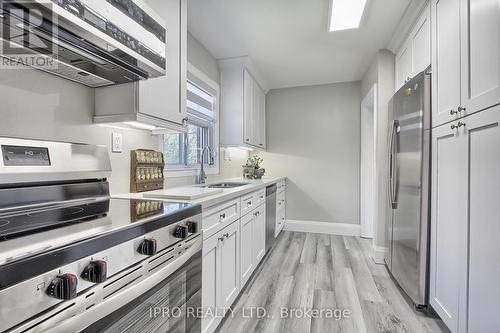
point(79, 322)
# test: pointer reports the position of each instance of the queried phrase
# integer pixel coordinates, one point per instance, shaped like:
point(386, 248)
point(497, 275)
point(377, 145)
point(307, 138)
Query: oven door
point(166, 301)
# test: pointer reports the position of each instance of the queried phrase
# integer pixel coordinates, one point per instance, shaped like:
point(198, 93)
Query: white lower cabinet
point(221, 278)
point(252, 242)
point(247, 226)
point(465, 250)
point(230, 253)
point(259, 235)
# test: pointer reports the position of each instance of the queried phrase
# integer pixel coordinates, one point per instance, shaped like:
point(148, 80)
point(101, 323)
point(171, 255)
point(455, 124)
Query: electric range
point(74, 259)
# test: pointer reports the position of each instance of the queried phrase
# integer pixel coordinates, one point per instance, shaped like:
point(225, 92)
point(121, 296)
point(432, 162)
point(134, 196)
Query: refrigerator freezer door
point(409, 260)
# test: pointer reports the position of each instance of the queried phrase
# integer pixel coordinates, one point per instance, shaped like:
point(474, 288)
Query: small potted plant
point(252, 169)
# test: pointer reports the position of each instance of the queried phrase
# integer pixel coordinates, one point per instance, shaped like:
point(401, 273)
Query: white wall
point(199, 56)
point(313, 137)
point(42, 106)
point(382, 73)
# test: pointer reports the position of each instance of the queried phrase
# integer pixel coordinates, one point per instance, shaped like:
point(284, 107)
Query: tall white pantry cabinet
point(465, 246)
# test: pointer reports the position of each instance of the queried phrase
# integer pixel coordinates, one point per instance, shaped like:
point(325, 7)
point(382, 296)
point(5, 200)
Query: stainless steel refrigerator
point(408, 192)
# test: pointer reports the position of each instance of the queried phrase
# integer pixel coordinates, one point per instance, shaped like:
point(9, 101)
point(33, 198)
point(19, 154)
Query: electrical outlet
point(117, 142)
point(227, 155)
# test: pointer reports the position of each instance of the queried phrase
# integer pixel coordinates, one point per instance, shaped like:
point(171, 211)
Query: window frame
point(184, 171)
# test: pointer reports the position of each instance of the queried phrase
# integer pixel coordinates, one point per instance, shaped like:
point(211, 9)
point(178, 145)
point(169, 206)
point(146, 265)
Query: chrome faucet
point(201, 178)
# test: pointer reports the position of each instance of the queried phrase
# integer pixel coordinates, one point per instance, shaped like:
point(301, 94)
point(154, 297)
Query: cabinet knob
point(460, 124)
point(452, 112)
point(185, 121)
point(460, 109)
point(226, 235)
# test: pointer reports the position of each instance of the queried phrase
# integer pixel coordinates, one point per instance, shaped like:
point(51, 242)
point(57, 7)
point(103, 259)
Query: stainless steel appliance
point(270, 216)
point(407, 256)
point(93, 42)
point(73, 259)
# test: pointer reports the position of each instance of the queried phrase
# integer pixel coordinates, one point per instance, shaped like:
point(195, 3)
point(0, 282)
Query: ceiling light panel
point(346, 14)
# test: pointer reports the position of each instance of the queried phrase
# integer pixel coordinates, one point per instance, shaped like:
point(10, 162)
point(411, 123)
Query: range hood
point(93, 42)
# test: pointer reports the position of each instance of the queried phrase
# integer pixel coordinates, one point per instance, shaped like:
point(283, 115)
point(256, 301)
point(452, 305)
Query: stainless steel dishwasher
point(270, 215)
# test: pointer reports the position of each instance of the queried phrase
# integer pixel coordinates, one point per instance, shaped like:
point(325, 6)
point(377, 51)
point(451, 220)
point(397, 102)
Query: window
point(183, 150)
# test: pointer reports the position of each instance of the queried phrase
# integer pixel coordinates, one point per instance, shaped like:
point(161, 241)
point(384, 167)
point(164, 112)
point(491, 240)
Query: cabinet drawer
point(220, 216)
point(280, 200)
point(281, 186)
point(248, 203)
point(261, 197)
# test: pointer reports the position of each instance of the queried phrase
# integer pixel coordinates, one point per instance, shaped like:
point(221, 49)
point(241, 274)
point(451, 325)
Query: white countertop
point(225, 195)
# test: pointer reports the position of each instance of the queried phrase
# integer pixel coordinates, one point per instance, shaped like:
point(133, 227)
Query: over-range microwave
point(93, 42)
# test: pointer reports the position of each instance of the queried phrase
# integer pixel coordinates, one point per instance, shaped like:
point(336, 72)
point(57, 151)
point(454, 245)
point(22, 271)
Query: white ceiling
point(288, 40)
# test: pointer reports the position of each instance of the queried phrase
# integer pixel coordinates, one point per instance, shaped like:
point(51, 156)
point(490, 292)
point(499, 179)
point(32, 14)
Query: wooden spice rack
point(146, 170)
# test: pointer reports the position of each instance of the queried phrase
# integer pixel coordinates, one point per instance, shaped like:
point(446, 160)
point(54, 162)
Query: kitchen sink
point(226, 185)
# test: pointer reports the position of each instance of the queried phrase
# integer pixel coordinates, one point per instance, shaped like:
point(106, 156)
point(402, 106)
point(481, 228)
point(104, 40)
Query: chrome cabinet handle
point(226, 236)
point(460, 124)
point(223, 216)
point(249, 204)
point(221, 239)
point(459, 110)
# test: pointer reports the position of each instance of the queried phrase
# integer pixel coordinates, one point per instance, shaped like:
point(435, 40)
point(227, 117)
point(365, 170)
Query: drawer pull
point(223, 216)
point(226, 236)
point(249, 203)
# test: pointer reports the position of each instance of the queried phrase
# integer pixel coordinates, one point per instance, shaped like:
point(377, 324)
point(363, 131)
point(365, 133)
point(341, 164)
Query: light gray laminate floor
point(314, 271)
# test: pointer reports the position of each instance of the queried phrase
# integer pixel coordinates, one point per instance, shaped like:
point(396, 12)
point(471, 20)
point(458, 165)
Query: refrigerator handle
point(395, 175)
point(392, 157)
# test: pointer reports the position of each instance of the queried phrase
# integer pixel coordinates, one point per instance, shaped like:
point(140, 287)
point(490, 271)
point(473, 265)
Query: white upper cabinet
point(414, 55)
point(446, 60)
point(243, 105)
point(466, 53)
point(403, 65)
point(480, 54)
point(159, 101)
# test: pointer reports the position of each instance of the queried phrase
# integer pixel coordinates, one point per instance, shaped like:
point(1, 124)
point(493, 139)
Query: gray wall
point(313, 137)
point(381, 72)
point(201, 58)
point(42, 106)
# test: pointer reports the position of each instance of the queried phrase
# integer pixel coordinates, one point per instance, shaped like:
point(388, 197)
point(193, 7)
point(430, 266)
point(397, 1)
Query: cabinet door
point(262, 119)
point(259, 127)
point(246, 248)
point(445, 60)
point(480, 54)
point(403, 65)
point(448, 225)
point(210, 282)
point(229, 265)
point(259, 235)
point(248, 108)
point(165, 97)
point(421, 43)
point(484, 224)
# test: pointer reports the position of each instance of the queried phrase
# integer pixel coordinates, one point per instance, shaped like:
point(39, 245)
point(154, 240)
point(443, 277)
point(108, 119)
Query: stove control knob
point(148, 247)
point(181, 231)
point(192, 227)
point(63, 287)
point(96, 271)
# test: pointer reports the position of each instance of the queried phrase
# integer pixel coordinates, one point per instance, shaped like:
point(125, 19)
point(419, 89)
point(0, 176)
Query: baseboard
point(341, 229)
point(378, 254)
